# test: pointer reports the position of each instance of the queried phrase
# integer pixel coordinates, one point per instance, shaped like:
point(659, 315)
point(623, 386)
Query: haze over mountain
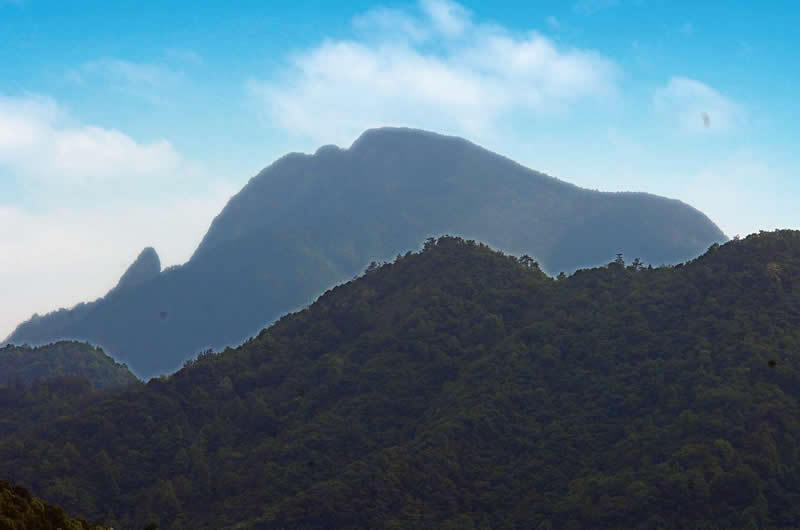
point(145, 268)
point(459, 388)
point(307, 222)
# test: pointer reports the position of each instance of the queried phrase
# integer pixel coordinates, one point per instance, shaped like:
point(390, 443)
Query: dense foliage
point(307, 223)
point(19, 510)
point(461, 388)
point(21, 365)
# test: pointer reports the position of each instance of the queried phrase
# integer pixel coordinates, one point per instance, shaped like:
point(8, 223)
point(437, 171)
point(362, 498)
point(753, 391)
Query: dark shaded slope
point(308, 222)
point(23, 365)
point(459, 388)
point(19, 510)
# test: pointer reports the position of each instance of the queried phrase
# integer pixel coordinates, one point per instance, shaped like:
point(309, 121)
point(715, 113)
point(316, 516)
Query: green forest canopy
point(24, 364)
point(459, 388)
point(19, 510)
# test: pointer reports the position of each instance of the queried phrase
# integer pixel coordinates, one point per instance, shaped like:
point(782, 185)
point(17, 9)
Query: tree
point(529, 262)
point(373, 266)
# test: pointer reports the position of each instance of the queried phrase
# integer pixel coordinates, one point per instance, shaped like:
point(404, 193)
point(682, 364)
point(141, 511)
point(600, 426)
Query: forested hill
point(308, 222)
point(461, 388)
point(19, 510)
point(21, 365)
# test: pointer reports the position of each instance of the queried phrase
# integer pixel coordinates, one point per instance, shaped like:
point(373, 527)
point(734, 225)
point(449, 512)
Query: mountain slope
point(24, 364)
point(308, 222)
point(460, 388)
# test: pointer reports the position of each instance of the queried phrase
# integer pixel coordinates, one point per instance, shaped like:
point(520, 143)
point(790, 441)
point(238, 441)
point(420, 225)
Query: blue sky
point(124, 125)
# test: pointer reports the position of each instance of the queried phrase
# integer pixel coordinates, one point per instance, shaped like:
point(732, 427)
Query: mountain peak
point(310, 221)
point(146, 267)
point(392, 136)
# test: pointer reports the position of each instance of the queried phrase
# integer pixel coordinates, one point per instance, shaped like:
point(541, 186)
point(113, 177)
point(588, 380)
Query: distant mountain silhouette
point(146, 267)
point(307, 222)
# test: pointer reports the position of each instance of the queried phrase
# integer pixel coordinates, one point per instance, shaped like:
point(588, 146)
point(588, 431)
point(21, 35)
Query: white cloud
point(696, 107)
point(42, 144)
point(390, 24)
point(73, 217)
point(438, 69)
point(448, 17)
point(61, 257)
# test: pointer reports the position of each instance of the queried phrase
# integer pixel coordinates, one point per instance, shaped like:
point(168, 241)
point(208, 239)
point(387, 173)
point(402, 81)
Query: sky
point(130, 124)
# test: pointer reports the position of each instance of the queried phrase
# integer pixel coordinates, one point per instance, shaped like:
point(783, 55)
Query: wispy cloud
point(553, 22)
point(448, 18)
point(76, 215)
point(389, 24)
point(144, 81)
point(696, 107)
point(40, 142)
point(438, 69)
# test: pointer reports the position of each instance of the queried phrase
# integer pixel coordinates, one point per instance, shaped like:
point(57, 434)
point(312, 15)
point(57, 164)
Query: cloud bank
point(41, 143)
point(82, 203)
point(696, 107)
point(64, 256)
point(433, 67)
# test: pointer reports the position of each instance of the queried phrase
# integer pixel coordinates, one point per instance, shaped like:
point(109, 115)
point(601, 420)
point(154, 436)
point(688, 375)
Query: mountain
point(19, 510)
point(24, 364)
point(308, 222)
point(459, 387)
point(146, 267)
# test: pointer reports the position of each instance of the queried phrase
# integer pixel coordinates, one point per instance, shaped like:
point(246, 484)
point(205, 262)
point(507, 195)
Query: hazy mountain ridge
point(307, 222)
point(459, 388)
point(448, 181)
point(146, 267)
